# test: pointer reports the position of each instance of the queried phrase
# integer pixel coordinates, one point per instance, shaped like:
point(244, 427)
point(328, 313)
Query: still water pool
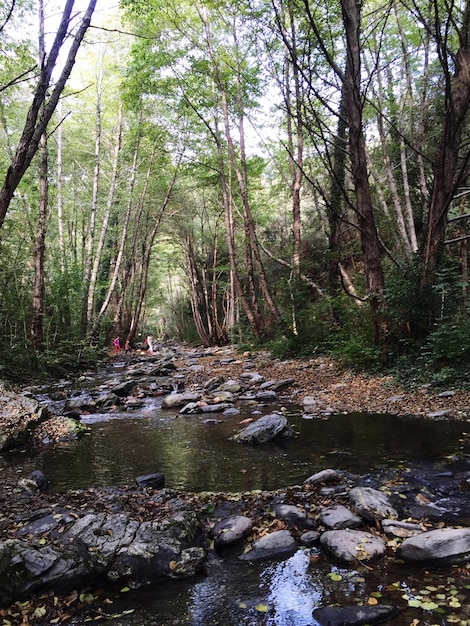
point(197, 454)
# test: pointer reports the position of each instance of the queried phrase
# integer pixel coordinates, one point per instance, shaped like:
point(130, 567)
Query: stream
point(196, 453)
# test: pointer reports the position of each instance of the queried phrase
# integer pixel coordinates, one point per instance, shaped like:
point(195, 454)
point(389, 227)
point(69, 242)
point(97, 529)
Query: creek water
point(196, 453)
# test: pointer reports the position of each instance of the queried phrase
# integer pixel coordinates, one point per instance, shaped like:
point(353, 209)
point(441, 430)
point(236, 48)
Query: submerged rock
point(354, 615)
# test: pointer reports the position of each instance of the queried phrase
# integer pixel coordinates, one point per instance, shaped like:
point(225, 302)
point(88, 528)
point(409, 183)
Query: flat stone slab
point(442, 547)
point(394, 528)
point(353, 545)
point(179, 399)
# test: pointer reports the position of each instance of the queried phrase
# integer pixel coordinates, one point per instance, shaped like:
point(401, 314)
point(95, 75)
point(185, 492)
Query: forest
point(283, 174)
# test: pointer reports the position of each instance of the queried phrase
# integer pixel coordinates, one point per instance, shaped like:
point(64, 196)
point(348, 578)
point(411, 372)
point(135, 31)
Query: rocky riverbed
point(56, 549)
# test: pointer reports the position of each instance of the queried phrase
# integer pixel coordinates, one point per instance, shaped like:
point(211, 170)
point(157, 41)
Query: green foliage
point(19, 363)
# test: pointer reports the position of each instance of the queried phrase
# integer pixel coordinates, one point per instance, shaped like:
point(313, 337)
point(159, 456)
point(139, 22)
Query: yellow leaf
point(172, 565)
point(261, 608)
point(40, 611)
point(372, 601)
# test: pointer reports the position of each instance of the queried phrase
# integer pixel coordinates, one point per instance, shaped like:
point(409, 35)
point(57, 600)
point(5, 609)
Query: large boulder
point(98, 546)
point(265, 429)
point(442, 547)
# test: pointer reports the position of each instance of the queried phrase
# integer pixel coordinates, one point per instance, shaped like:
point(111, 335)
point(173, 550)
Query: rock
point(231, 530)
point(442, 547)
point(275, 545)
point(354, 615)
point(107, 399)
point(215, 408)
point(309, 538)
point(442, 413)
point(326, 476)
point(333, 490)
point(446, 394)
point(38, 569)
point(253, 378)
point(394, 528)
point(338, 516)
point(40, 480)
point(310, 402)
point(266, 395)
point(191, 407)
point(293, 515)
point(124, 388)
point(156, 481)
point(233, 386)
point(276, 385)
point(265, 429)
point(353, 545)
point(45, 524)
point(179, 399)
point(371, 504)
point(231, 411)
point(82, 402)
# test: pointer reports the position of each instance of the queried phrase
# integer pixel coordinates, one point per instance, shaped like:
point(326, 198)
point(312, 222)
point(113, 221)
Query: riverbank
point(336, 389)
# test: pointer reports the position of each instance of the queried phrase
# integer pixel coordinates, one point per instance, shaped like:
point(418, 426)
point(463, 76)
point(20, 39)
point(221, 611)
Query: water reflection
point(292, 595)
point(196, 456)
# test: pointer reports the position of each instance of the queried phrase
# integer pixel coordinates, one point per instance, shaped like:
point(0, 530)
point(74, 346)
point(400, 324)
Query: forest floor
point(336, 389)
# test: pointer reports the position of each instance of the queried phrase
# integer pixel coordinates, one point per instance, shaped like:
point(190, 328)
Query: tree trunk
point(364, 207)
point(37, 315)
point(105, 223)
point(87, 270)
point(36, 123)
point(60, 204)
point(447, 167)
point(120, 255)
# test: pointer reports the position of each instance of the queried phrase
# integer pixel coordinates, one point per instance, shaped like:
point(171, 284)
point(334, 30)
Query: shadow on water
point(197, 454)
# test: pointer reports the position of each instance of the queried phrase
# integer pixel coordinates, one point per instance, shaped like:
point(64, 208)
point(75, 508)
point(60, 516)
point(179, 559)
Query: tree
point(451, 160)
point(43, 106)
